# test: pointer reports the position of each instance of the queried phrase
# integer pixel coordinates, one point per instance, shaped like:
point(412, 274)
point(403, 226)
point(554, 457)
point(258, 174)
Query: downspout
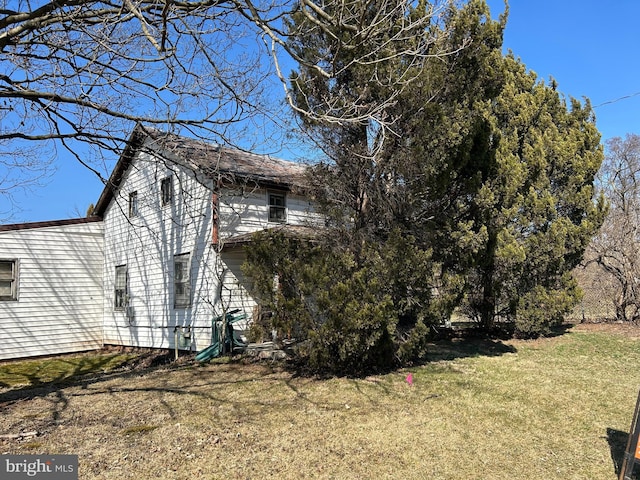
point(175, 341)
point(215, 233)
point(215, 216)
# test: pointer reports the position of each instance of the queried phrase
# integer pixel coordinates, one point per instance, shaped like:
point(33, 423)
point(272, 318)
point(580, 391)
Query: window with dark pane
point(166, 191)
point(133, 204)
point(277, 207)
point(8, 280)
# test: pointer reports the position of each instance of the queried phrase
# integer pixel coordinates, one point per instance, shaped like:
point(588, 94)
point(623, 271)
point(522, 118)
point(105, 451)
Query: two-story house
point(170, 230)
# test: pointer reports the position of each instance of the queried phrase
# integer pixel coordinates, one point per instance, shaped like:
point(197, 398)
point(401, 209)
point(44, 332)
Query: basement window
point(181, 281)
point(8, 280)
point(277, 207)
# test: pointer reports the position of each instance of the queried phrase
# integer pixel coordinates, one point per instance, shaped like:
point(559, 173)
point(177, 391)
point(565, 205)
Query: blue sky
point(592, 50)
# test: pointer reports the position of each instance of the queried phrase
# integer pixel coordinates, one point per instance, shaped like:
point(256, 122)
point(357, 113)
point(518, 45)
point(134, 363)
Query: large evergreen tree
point(446, 149)
point(393, 273)
point(537, 204)
point(481, 196)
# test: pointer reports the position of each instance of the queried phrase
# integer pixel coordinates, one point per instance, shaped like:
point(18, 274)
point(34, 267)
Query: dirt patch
point(146, 358)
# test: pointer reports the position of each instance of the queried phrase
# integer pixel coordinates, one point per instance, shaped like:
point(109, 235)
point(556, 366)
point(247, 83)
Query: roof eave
point(48, 223)
point(137, 140)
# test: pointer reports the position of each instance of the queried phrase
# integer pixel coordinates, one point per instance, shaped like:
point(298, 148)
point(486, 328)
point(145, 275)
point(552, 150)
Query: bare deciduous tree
point(88, 70)
point(616, 248)
point(77, 72)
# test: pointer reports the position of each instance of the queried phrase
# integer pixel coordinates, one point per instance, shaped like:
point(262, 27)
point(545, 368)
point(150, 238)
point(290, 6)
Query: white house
point(172, 224)
point(51, 287)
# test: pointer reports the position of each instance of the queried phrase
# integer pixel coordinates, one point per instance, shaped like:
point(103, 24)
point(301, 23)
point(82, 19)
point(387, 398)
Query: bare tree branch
point(84, 72)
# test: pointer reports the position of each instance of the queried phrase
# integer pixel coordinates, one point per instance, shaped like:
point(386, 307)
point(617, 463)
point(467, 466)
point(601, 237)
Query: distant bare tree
point(616, 249)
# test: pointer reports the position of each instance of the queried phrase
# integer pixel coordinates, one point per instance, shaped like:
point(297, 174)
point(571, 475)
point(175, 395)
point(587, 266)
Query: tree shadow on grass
point(618, 441)
point(76, 372)
point(190, 383)
point(450, 344)
point(464, 347)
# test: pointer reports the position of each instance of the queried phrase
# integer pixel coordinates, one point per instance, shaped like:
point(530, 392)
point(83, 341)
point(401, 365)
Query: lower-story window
point(120, 289)
point(181, 281)
point(8, 280)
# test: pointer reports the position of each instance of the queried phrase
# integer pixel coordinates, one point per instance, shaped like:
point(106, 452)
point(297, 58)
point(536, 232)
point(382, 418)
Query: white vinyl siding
point(59, 289)
point(76, 286)
point(149, 246)
point(235, 293)
point(164, 291)
point(242, 212)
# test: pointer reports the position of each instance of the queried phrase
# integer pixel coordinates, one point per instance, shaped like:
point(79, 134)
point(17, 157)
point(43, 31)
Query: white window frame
point(182, 281)
point(11, 278)
point(274, 207)
point(121, 288)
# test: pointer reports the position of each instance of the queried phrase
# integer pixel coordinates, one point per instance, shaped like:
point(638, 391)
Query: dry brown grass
point(552, 408)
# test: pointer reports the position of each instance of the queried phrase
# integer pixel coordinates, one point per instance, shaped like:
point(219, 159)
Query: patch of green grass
point(139, 429)
point(58, 369)
point(32, 445)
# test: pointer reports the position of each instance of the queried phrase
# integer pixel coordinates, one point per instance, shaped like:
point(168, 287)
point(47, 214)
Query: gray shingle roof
point(305, 232)
point(214, 161)
point(220, 163)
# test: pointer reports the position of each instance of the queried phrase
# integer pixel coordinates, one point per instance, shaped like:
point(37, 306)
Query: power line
point(617, 99)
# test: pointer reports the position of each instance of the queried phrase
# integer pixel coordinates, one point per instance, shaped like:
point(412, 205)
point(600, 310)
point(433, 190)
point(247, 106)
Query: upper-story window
point(166, 191)
point(8, 280)
point(133, 204)
point(277, 207)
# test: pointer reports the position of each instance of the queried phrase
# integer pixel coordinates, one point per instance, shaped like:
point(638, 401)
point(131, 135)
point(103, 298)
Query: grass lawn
point(545, 409)
point(59, 370)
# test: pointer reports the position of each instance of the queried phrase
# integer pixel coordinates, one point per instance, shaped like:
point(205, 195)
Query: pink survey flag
point(410, 379)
